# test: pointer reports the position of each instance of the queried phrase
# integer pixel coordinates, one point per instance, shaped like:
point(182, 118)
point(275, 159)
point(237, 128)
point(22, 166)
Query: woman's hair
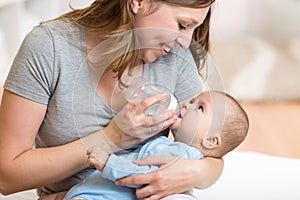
point(116, 17)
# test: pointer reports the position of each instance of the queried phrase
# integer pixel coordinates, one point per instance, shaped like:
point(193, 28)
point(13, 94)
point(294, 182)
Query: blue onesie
point(101, 185)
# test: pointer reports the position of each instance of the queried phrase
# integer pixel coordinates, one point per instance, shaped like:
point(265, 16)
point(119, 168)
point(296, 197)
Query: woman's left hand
point(175, 175)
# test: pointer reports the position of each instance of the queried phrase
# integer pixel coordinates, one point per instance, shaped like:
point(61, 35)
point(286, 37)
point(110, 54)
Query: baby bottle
point(139, 89)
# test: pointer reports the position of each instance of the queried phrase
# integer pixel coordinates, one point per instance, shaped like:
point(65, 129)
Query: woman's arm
point(213, 168)
point(174, 176)
point(22, 167)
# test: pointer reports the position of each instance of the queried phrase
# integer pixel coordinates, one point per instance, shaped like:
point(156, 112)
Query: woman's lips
point(163, 52)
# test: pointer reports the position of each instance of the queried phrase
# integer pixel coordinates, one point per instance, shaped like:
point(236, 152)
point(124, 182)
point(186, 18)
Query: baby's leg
point(96, 187)
point(55, 196)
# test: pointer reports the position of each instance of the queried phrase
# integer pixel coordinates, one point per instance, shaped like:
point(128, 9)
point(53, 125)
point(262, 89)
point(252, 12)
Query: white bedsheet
point(255, 176)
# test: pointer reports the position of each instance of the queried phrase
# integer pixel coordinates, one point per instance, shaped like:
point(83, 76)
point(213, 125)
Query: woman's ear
point(212, 142)
point(135, 5)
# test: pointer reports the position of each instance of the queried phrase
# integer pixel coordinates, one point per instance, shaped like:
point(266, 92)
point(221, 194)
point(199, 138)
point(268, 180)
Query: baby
point(212, 124)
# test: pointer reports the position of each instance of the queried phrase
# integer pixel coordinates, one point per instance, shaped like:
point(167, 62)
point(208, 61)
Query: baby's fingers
point(91, 161)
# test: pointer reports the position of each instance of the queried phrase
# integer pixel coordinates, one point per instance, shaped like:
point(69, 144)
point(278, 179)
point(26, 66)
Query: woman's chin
point(149, 60)
point(149, 57)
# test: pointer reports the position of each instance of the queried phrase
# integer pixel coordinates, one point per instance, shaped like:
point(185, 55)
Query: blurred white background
point(250, 38)
point(18, 17)
point(269, 19)
point(255, 46)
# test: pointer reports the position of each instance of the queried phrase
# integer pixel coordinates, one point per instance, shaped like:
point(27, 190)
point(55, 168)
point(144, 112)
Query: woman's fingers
point(132, 120)
point(156, 189)
point(163, 117)
point(158, 127)
point(150, 177)
point(143, 195)
point(151, 192)
point(146, 103)
point(155, 160)
point(91, 161)
point(133, 126)
point(134, 180)
point(160, 183)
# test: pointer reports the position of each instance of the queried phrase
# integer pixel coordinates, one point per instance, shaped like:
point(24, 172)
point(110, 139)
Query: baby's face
point(196, 118)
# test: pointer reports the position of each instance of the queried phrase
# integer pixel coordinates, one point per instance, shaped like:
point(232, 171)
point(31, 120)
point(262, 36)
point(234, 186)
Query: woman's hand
point(132, 121)
point(175, 175)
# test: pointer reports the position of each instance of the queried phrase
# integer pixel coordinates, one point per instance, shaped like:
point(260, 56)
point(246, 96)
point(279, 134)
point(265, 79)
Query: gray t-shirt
point(51, 68)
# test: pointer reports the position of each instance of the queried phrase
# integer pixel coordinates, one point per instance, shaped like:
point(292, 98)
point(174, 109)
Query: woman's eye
point(200, 108)
point(181, 27)
point(192, 101)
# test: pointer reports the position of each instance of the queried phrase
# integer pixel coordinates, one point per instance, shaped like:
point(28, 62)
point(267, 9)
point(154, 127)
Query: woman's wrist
point(100, 140)
point(113, 136)
point(119, 139)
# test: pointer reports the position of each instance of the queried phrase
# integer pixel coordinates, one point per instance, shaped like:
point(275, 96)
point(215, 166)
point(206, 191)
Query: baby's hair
point(235, 127)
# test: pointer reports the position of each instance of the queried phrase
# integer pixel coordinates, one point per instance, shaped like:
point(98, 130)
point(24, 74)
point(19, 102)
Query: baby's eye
point(181, 27)
point(200, 108)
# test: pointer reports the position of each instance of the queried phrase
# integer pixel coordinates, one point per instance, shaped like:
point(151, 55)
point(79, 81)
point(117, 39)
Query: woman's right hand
point(132, 126)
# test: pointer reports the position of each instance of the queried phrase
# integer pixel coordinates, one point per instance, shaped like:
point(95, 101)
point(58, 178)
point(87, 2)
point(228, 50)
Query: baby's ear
point(211, 142)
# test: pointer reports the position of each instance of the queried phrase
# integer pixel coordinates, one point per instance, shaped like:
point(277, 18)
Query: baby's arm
point(114, 167)
point(118, 167)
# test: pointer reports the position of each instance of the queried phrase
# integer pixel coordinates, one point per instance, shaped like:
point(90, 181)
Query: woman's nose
point(184, 40)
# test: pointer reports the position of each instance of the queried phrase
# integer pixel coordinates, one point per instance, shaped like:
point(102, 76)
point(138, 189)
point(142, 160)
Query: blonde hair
point(115, 17)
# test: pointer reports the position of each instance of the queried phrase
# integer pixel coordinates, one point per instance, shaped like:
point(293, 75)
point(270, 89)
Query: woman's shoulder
point(51, 29)
point(56, 34)
point(60, 25)
point(60, 28)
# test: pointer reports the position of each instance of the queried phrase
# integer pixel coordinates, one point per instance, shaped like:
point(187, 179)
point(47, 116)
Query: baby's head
point(213, 122)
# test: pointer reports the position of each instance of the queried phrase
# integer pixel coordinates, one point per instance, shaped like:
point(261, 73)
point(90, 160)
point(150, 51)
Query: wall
point(250, 38)
point(18, 17)
point(256, 48)
point(271, 19)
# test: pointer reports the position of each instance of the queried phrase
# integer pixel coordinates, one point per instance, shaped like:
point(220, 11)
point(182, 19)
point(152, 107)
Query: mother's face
point(161, 29)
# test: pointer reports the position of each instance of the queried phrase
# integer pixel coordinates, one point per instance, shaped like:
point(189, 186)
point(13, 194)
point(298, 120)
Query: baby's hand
point(97, 157)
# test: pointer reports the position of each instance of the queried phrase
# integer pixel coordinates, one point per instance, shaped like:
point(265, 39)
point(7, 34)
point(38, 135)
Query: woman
point(64, 94)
